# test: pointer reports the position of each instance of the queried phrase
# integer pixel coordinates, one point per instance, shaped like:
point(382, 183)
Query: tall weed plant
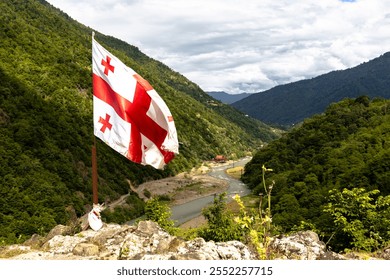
point(257, 226)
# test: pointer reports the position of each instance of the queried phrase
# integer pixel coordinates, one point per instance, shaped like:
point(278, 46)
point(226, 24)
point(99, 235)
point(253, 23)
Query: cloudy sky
point(248, 45)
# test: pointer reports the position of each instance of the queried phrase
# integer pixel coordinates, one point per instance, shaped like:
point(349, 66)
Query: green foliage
point(220, 222)
point(268, 191)
point(159, 212)
point(361, 217)
point(133, 208)
point(346, 147)
point(147, 193)
point(246, 225)
point(255, 228)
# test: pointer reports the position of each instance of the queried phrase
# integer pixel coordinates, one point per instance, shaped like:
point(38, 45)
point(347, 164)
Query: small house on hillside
point(220, 158)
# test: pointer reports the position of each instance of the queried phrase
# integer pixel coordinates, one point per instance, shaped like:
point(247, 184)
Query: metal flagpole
point(94, 218)
point(95, 199)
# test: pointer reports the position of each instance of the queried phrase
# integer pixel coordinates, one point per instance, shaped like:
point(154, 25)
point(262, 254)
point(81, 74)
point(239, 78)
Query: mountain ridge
point(291, 103)
point(227, 98)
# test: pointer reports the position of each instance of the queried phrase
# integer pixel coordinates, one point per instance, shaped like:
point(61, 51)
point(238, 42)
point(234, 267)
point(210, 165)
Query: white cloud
point(244, 46)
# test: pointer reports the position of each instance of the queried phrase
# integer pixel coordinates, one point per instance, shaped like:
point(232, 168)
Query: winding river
point(192, 209)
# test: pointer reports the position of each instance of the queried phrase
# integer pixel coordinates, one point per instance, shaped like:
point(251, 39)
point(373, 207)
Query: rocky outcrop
point(304, 245)
point(147, 241)
point(384, 254)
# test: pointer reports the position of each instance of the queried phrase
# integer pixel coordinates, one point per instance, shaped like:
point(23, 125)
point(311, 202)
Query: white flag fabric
point(128, 113)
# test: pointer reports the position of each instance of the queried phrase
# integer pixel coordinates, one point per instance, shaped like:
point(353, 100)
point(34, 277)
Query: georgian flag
point(129, 115)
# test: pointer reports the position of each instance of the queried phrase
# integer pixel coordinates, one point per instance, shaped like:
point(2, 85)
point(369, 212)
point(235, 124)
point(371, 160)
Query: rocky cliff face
point(147, 241)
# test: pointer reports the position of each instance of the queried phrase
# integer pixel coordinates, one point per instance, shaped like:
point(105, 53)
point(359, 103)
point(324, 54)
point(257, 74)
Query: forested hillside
point(332, 174)
point(291, 103)
point(46, 121)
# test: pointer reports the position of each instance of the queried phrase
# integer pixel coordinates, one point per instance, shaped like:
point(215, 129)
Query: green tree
point(159, 212)
point(220, 222)
point(361, 217)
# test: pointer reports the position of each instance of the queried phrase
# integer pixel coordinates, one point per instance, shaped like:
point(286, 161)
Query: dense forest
point(291, 103)
point(46, 124)
point(332, 175)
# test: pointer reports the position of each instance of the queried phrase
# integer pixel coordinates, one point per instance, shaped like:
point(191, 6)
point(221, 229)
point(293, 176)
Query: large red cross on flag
point(128, 113)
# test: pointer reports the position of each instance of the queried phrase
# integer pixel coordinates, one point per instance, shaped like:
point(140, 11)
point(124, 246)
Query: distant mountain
point(227, 98)
point(291, 103)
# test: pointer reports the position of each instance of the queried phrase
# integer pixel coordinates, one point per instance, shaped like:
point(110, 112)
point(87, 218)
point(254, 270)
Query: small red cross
point(107, 66)
point(105, 123)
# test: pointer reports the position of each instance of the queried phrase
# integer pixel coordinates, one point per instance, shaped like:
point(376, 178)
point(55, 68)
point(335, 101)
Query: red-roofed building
point(220, 158)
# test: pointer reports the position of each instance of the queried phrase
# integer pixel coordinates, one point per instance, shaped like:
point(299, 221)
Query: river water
point(187, 211)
